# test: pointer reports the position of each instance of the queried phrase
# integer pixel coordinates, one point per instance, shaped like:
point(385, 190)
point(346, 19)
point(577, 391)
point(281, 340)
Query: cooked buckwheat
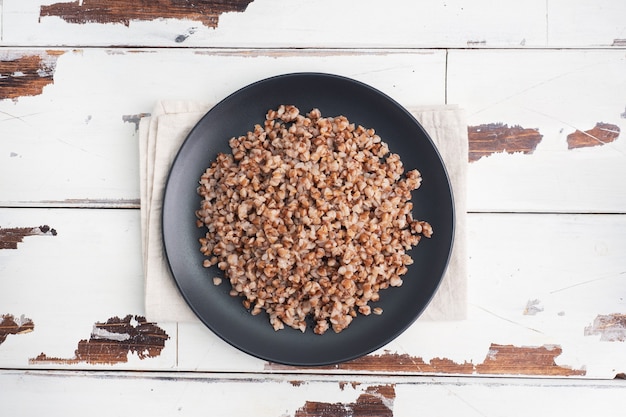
point(309, 216)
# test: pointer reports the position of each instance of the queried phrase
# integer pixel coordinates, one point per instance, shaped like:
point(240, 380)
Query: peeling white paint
point(21, 320)
point(100, 333)
point(492, 354)
point(133, 322)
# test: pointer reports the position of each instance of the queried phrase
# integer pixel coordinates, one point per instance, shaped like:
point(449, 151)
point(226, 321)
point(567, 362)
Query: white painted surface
point(71, 147)
point(352, 23)
point(75, 131)
point(556, 92)
point(187, 394)
point(89, 272)
point(72, 143)
point(572, 264)
point(311, 23)
point(589, 23)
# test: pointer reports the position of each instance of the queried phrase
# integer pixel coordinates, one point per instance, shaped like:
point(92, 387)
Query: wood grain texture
point(14, 325)
point(500, 360)
point(600, 134)
point(26, 73)
point(392, 363)
point(524, 360)
point(123, 11)
point(376, 401)
point(12, 236)
point(490, 138)
point(113, 340)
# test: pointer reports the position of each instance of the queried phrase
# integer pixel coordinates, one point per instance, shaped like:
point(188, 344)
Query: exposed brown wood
point(601, 134)
point(10, 237)
point(500, 359)
point(123, 11)
point(112, 341)
point(525, 360)
point(395, 362)
point(27, 74)
point(386, 391)
point(343, 384)
point(12, 325)
point(610, 327)
point(376, 401)
point(487, 139)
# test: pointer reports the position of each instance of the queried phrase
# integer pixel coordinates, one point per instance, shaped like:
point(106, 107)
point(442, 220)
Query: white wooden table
point(543, 84)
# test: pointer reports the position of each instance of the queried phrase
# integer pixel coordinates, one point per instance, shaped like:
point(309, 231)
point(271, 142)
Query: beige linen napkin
point(162, 133)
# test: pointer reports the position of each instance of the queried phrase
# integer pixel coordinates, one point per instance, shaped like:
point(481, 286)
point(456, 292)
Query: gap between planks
point(301, 50)
point(363, 379)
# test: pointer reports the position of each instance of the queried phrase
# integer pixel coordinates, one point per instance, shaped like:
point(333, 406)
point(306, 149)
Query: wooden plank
point(276, 23)
point(545, 297)
point(450, 24)
point(164, 394)
point(525, 109)
point(94, 141)
point(74, 141)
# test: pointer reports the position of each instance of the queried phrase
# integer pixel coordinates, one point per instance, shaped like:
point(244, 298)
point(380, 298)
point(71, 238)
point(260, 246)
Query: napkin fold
point(162, 133)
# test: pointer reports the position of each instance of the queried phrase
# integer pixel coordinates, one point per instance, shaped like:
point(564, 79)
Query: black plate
point(236, 115)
